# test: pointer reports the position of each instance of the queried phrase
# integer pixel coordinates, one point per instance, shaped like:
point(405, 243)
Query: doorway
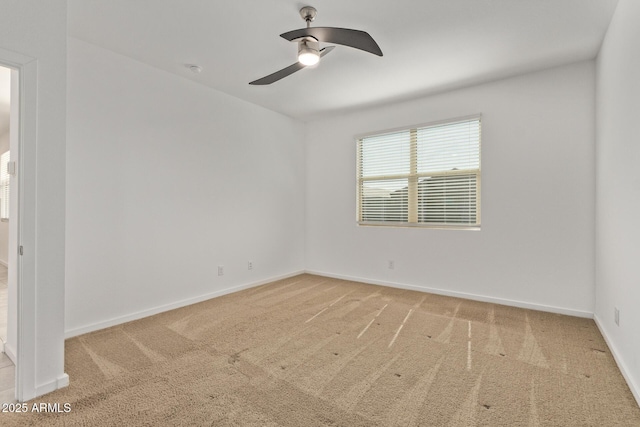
point(7, 360)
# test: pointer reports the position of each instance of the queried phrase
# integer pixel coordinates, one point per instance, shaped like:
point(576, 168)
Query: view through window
point(422, 176)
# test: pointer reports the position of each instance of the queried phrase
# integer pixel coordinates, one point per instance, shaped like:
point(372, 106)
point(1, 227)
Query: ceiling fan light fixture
point(309, 57)
point(308, 52)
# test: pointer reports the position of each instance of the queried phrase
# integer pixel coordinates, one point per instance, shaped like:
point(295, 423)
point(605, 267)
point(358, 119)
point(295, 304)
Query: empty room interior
point(283, 213)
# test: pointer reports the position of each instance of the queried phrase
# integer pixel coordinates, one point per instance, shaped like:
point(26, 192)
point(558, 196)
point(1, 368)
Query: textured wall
point(167, 180)
point(618, 189)
point(536, 246)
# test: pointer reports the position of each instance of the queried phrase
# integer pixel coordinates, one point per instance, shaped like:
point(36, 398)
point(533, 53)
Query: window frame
point(414, 176)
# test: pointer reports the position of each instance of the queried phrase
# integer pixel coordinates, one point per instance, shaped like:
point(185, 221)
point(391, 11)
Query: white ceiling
point(428, 45)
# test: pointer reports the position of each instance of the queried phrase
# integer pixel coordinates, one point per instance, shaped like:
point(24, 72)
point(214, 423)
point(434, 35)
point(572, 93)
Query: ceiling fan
point(309, 39)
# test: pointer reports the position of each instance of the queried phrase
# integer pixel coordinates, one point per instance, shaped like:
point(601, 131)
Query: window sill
point(475, 227)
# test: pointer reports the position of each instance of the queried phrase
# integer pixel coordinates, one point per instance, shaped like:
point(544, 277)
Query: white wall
point(33, 35)
point(618, 189)
point(4, 225)
point(166, 180)
point(536, 245)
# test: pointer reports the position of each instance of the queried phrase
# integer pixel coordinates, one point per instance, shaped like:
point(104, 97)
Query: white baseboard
point(60, 382)
point(155, 310)
point(513, 303)
point(635, 389)
point(10, 352)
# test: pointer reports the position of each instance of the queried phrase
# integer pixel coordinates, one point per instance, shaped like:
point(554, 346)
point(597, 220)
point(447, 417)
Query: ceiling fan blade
point(344, 36)
point(325, 50)
point(274, 77)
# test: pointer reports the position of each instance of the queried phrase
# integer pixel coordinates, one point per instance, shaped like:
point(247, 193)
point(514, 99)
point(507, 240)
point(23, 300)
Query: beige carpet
point(312, 351)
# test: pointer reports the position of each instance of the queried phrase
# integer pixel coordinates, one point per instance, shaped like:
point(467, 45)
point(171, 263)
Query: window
point(425, 176)
point(4, 186)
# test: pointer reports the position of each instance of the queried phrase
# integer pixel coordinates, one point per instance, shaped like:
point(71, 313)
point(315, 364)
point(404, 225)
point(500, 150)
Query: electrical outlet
point(392, 265)
point(249, 265)
point(616, 315)
point(220, 270)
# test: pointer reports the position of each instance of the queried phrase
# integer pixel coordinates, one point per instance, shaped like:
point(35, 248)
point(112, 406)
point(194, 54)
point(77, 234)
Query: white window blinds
point(4, 185)
point(426, 176)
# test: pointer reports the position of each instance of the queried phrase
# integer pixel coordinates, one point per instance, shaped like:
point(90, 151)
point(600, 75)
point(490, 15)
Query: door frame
point(24, 225)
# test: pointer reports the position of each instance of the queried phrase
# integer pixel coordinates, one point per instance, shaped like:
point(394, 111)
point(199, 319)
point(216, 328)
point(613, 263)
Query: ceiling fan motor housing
point(308, 43)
